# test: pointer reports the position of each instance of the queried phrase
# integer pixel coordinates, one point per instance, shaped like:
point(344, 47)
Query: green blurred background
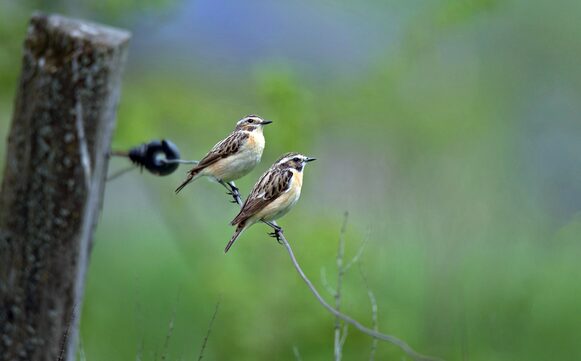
point(450, 130)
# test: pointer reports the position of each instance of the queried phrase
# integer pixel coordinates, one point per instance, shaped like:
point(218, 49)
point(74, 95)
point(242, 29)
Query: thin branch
point(381, 336)
point(138, 320)
point(297, 354)
point(374, 318)
point(464, 351)
point(344, 334)
point(373, 333)
point(139, 353)
point(340, 272)
point(169, 333)
point(325, 283)
point(359, 253)
point(120, 172)
point(205, 342)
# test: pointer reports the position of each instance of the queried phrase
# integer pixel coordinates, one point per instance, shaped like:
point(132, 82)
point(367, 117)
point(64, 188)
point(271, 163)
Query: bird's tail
point(239, 229)
point(191, 176)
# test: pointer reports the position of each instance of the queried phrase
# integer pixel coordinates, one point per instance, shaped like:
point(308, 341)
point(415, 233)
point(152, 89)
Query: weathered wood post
point(51, 195)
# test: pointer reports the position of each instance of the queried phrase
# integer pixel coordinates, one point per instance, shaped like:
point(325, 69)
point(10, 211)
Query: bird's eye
point(296, 159)
point(250, 120)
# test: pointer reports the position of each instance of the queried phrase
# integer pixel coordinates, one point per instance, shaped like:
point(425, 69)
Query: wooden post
point(51, 195)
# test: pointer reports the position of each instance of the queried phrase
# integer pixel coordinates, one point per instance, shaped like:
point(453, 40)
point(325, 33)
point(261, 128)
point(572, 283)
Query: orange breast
point(298, 178)
point(255, 142)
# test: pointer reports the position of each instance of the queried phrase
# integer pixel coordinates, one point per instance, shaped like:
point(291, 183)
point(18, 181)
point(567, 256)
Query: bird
point(234, 156)
point(273, 195)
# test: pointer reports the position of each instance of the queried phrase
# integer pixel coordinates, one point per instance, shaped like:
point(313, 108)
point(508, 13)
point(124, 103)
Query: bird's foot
point(277, 234)
point(235, 196)
point(234, 188)
point(234, 192)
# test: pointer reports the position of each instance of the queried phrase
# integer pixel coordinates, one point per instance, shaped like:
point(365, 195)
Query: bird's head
point(251, 123)
point(293, 161)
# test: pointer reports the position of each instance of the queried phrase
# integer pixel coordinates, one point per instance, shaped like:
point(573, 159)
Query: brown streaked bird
point(275, 193)
point(233, 157)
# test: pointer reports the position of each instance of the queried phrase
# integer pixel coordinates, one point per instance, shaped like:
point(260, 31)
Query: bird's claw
point(233, 195)
point(277, 234)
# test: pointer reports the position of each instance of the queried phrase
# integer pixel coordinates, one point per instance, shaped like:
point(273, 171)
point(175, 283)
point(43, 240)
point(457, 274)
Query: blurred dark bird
point(275, 193)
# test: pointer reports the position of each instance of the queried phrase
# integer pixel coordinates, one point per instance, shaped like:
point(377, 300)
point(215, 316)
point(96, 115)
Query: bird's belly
point(235, 166)
point(280, 206)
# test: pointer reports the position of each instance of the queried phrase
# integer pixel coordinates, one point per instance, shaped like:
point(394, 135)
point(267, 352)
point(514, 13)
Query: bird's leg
point(225, 185)
point(277, 233)
point(235, 192)
point(232, 191)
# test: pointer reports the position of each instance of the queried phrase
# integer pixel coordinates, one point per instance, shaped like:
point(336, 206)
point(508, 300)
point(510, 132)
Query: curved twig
point(201, 355)
point(357, 256)
point(370, 332)
point(380, 336)
point(325, 282)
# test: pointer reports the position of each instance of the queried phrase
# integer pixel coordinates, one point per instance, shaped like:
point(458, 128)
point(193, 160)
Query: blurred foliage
point(456, 152)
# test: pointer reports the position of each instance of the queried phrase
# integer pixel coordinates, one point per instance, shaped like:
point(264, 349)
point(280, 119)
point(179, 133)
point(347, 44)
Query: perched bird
point(275, 193)
point(233, 157)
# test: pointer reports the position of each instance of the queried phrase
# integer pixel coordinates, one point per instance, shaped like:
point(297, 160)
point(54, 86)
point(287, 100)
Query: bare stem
point(324, 281)
point(373, 333)
point(170, 328)
point(373, 303)
point(209, 331)
point(338, 345)
point(297, 353)
point(357, 256)
point(381, 336)
point(344, 335)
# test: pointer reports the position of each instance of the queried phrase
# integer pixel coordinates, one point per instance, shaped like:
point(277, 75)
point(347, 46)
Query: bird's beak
point(309, 159)
point(265, 122)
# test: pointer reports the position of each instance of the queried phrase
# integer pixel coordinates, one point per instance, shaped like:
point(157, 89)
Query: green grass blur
point(457, 152)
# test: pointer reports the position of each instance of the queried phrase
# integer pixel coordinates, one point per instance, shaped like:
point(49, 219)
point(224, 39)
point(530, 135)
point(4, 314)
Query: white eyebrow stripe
point(254, 117)
point(286, 159)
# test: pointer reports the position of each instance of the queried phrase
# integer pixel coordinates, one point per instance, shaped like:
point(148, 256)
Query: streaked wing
point(223, 149)
point(268, 188)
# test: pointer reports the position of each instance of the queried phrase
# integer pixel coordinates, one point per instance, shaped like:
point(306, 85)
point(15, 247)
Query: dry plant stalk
point(205, 342)
point(368, 331)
